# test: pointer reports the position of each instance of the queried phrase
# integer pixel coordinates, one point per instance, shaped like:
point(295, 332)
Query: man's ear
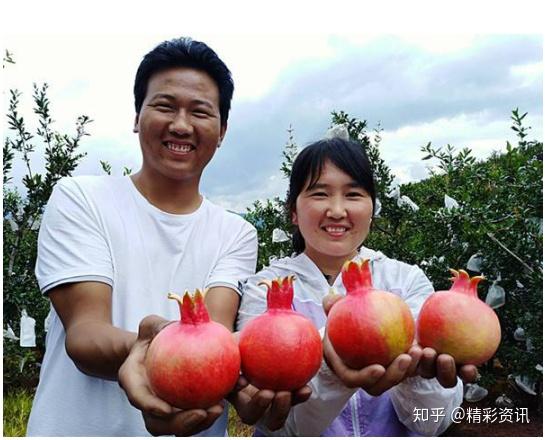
point(223, 130)
point(135, 127)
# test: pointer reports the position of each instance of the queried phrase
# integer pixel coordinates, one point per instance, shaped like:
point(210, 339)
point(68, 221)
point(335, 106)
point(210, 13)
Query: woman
point(331, 200)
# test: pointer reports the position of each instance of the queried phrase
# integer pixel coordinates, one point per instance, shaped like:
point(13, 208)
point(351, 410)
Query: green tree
point(22, 214)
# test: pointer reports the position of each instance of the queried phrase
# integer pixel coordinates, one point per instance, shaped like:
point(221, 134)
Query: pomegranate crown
point(357, 276)
point(192, 308)
point(463, 283)
point(279, 292)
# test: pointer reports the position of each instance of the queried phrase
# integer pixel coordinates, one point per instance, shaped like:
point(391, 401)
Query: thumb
point(329, 300)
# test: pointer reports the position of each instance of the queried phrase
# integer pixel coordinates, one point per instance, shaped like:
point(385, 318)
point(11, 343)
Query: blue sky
point(444, 87)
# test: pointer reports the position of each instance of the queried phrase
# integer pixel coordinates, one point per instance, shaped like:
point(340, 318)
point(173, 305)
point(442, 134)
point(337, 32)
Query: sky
point(445, 86)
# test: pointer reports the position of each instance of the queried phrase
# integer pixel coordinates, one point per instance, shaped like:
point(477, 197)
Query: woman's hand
point(160, 417)
point(271, 407)
point(424, 362)
point(374, 379)
point(444, 368)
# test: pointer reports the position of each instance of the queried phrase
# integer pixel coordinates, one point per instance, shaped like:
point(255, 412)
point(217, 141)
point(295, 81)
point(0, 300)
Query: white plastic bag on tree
point(406, 201)
point(279, 236)
point(474, 393)
point(27, 334)
point(450, 203)
point(496, 296)
point(475, 263)
point(378, 207)
point(394, 193)
point(10, 334)
point(526, 384)
point(338, 131)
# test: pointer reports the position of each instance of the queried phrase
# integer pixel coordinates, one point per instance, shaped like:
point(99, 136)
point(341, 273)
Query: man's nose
point(181, 124)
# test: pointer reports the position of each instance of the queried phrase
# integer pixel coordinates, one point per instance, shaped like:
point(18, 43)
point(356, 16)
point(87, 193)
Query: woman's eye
point(319, 194)
point(355, 194)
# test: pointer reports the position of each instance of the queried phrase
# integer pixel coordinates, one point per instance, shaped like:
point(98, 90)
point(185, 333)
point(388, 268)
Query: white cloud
point(433, 87)
point(528, 74)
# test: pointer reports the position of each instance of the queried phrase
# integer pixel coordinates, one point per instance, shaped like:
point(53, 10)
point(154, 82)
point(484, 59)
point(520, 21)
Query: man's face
point(179, 124)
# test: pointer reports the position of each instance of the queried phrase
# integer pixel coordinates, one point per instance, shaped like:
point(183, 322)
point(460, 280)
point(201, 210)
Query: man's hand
point(160, 417)
point(444, 368)
point(269, 406)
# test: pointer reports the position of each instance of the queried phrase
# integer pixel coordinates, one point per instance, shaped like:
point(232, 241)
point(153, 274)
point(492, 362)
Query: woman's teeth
point(335, 229)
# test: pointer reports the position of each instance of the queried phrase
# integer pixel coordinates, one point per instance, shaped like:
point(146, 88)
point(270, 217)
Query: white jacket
point(412, 399)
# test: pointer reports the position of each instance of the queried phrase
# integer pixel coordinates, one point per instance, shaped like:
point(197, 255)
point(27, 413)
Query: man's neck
point(168, 195)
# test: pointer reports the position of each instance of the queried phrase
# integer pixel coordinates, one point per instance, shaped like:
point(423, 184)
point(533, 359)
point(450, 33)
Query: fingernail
point(195, 419)
point(404, 364)
point(376, 374)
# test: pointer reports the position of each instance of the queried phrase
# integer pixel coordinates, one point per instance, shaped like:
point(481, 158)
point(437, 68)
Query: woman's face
point(333, 216)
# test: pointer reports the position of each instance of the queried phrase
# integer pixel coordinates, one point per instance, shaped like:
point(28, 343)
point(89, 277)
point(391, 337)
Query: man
point(111, 248)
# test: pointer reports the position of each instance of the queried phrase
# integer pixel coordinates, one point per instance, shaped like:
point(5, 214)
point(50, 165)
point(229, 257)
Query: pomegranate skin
point(280, 350)
point(458, 323)
point(368, 326)
point(193, 363)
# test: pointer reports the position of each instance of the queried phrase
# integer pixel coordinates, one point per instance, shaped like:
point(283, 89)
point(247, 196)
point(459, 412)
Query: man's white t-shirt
point(102, 229)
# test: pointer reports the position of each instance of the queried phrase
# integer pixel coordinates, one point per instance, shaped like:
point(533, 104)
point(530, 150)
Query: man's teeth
point(179, 148)
point(335, 229)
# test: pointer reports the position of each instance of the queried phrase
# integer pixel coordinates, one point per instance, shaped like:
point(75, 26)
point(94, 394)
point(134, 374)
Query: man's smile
point(179, 148)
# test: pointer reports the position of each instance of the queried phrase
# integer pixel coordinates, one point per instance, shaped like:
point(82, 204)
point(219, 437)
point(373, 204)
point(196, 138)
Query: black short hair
point(185, 52)
point(348, 156)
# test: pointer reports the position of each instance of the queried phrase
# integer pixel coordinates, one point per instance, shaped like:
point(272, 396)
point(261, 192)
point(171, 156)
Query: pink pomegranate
point(458, 323)
point(193, 363)
point(280, 350)
point(368, 326)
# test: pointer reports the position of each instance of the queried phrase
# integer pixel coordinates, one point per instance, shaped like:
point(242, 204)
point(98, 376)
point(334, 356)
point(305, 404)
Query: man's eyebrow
point(202, 102)
point(173, 98)
point(163, 95)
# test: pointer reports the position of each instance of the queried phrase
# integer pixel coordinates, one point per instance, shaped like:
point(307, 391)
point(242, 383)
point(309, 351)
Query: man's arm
point(222, 305)
point(96, 347)
point(100, 349)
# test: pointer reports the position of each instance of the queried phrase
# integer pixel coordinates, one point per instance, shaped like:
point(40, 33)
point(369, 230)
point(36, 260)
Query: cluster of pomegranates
point(196, 362)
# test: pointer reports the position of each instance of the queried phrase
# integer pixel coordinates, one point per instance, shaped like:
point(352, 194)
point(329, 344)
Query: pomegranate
point(195, 362)
point(458, 323)
point(368, 326)
point(280, 350)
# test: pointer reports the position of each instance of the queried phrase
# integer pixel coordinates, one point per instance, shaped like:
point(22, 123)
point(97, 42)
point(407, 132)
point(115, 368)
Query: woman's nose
point(336, 209)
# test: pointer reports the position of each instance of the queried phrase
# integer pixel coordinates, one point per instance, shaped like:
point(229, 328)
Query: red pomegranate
point(368, 326)
point(195, 362)
point(458, 323)
point(280, 350)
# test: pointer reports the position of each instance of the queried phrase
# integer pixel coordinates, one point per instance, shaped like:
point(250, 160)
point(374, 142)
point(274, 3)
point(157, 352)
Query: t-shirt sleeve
point(71, 243)
point(238, 261)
